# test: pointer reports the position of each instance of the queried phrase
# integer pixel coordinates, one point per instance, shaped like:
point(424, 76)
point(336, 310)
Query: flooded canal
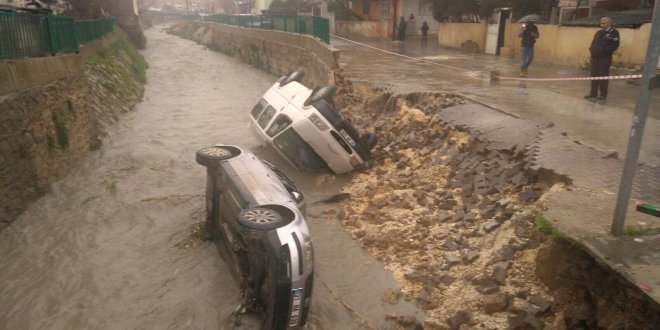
point(112, 245)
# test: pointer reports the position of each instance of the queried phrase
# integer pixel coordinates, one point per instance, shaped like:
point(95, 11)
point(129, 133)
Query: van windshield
point(298, 152)
point(258, 108)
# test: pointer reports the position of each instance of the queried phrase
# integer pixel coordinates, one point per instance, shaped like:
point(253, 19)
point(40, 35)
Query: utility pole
point(649, 81)
point(394, 21)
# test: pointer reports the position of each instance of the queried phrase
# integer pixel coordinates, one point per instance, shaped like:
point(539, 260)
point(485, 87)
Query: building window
point(385, 9)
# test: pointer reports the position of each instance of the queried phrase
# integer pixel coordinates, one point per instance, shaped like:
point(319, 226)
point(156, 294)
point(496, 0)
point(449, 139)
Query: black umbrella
point(531, 17)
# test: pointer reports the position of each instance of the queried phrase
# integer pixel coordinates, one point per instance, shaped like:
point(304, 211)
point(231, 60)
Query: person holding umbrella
point(528, 35)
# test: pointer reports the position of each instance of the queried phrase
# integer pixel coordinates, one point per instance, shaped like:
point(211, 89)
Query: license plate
point(296, 302)
point(348, 138)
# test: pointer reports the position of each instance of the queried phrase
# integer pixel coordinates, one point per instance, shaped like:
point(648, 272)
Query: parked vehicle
point(255, 214)
point(305, 128)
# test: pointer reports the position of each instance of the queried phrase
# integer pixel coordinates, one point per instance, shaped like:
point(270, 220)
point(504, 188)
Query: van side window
point(266, 116)
point(280, 123)
point(258, 108)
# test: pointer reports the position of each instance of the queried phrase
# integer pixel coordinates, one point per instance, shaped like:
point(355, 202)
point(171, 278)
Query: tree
point(475, 10)
point(455, 11)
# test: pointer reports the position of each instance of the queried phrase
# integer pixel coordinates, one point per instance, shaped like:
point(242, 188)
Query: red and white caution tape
point(492, 75)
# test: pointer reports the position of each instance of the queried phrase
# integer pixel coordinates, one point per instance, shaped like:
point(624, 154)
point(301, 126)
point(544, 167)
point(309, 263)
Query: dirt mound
point(454, 219)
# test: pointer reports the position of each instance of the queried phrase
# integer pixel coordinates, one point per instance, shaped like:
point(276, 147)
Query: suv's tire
point(323, 93)
point(212, 156)
point(293, 76)
point(260, 218)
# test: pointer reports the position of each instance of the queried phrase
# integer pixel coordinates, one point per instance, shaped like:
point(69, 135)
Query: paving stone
point(469, 256)
point(491, 225)
point(507, 253)
point(497, 302)
point(500, 271)
point(461, 317)
point(540, 302)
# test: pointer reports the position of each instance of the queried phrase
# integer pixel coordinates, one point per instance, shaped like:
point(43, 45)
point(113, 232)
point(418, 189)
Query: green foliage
point(634, 231)
point(455, 11)
point(61, 129)
point(124, 68)
point(112, 187)
point(139, 64)
point(542, 224)
point(51, 143)
point(476, 10)
point(282, 7)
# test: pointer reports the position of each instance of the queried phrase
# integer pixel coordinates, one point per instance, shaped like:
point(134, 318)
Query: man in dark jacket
point(528, 35)
point(605, 42)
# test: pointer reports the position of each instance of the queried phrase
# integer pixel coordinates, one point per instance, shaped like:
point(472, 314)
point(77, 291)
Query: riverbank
point(48, 128)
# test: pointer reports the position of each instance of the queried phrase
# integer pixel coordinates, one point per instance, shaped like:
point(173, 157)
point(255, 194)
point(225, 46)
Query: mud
point(459, 222)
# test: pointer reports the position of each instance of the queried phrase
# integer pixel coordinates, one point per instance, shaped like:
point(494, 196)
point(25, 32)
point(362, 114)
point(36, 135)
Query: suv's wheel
point(293, 76)
point(260, 218)
point(211, 156)
point(323, 93)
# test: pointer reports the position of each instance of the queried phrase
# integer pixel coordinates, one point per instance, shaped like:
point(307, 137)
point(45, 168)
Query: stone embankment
point(457, 217)
point(47, 128)
point(275, 52)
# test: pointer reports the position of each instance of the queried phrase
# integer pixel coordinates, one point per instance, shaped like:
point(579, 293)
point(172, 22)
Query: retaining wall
point(275, 52)
point(53, 111)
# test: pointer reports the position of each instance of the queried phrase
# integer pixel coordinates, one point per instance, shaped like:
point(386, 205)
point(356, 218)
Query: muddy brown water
point(110, 246)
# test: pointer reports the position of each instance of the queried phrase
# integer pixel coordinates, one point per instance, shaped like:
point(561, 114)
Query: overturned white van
point(305, 128)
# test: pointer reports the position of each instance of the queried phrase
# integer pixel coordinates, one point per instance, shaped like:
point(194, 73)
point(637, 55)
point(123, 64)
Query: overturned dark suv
point(255, 214)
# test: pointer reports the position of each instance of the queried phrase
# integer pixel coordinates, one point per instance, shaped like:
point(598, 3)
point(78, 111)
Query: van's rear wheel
point(293, 76)
point(323, 93)
point(211, 156)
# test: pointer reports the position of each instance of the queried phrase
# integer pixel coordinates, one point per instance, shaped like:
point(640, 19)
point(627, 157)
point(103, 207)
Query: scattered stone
point(390, 296)
point(469, 256)
point(497, 302)
point(461, 317)
point(611, 154)
point(507, 252)
point(522, 320)
point(500, 271)
point(452, 259)
point(491, 225)
point(525, 306)
point(540, 302)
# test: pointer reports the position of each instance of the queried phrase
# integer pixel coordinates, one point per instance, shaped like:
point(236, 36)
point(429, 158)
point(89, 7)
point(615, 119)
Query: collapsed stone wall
point(458, 220)
point(47, 129)
point(275, 52)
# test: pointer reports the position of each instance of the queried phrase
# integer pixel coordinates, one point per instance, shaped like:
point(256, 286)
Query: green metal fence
point(93, 29)
point(312, 25)
point(34, 35)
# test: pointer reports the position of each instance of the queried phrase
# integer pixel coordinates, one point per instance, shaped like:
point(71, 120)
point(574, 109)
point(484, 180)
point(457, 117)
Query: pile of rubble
point(449, 216)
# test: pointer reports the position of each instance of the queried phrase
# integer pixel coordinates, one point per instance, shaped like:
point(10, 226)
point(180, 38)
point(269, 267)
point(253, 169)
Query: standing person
point(605, 42)
point(425, 31)
point(528, 35)
point(411, 25)
point(402, 28)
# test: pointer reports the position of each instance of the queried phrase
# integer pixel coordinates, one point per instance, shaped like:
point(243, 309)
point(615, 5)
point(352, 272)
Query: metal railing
point(35, 35)
point(311, 25)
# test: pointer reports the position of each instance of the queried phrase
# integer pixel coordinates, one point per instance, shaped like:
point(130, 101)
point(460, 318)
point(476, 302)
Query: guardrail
point(311, 25)
point(36, 35)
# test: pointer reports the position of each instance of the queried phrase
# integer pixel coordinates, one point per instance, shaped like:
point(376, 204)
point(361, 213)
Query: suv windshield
point(298, 151)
